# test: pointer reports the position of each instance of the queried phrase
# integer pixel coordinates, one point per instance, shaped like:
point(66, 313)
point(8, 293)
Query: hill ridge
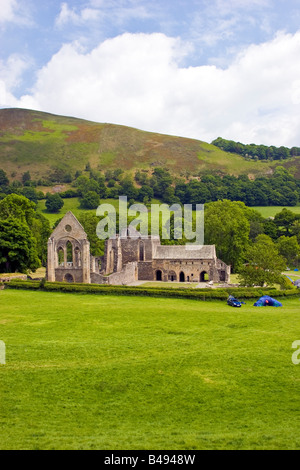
point(40, 142)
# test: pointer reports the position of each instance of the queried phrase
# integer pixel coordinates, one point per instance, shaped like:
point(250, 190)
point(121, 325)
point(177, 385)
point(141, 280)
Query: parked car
point(233, 302)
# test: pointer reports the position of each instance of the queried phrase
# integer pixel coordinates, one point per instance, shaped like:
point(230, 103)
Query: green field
point(105, 372)
point(73, 204)
point(70, 204)
point(271, 211)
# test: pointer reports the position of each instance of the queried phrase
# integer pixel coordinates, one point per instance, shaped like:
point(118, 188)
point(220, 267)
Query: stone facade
point(69, 256)
point(128, 258)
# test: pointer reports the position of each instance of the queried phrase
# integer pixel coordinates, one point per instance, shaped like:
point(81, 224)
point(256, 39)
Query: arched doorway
point(69, 278)
point(204, 277)
point(158, 275)
point(181, 277)
point(172, 276)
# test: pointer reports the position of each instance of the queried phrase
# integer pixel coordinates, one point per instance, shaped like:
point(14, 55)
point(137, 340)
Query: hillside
point(41, 142)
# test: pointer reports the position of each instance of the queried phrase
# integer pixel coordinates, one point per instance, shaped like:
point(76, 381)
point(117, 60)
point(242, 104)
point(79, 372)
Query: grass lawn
point(105, 372)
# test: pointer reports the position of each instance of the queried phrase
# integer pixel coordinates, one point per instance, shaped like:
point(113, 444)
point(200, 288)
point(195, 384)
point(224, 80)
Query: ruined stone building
point(128, 257)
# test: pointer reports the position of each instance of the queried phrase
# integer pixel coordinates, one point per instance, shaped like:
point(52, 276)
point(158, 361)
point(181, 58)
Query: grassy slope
point(40, 142)
point(92, 372)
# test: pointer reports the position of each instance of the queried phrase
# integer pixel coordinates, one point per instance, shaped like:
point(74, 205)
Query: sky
point(194, 68)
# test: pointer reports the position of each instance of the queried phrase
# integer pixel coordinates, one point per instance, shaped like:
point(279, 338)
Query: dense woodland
point(279, 189)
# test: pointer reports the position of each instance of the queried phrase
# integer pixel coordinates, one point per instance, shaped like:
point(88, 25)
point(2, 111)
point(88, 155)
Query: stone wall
point(127, 275)
point(22, 277)
point(63, 275)
point(189, 271)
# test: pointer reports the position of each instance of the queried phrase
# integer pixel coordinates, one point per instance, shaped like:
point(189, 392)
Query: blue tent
point(267, 301)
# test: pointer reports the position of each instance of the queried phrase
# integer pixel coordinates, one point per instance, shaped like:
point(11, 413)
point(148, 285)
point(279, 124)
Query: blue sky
point(196, 68)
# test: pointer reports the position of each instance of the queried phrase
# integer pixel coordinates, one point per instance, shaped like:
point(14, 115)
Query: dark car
point(233, 302)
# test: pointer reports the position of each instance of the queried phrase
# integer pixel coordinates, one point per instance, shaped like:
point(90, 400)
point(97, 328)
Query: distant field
point(271, 211)
point(73, 204)
point(93, 372)
point(70, 204)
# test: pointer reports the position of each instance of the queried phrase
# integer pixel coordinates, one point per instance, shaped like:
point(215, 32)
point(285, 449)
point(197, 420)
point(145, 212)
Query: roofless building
point(128, 257)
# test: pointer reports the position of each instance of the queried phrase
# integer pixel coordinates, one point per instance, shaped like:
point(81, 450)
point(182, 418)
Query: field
point(73, 204)
point(104, 372)
point(70, 204)
point(271, 211)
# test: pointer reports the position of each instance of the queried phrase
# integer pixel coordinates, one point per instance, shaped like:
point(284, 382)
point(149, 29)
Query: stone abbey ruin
point(129, 257)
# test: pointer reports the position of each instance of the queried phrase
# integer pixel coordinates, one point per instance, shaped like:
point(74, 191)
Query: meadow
point(271, 211)
point(105, 372)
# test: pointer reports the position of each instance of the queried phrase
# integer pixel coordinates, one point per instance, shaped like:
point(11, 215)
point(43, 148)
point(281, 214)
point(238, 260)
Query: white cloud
point(12, 11)
point(114, 11)
point(67, 15)
point(137, 80)
point(8, 9)
point(11, 72)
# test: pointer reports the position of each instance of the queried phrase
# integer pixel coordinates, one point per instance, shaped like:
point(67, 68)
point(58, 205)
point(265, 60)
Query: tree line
point(256, 152)
point(91, 186)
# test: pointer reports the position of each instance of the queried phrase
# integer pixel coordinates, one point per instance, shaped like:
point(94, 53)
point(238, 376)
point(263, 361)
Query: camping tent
point(297, 283)
point(267, 301)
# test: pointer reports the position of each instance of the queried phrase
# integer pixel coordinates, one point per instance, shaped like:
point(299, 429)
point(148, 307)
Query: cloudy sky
point(194, 68)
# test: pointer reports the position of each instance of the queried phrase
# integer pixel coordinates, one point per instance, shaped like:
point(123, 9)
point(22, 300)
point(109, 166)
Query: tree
point(89, 223)
point(160, 181)
point(295, 229)
point(15, 207)
point(41, 231)
point(54, 202)
point(85, 184)
point(227, 227)
point(91, 200)
point(256, 222)
point(18, 251)
point(30, 193)
point(145, 192)
point(3, 179)
point(289, 248)
point(26, 177)
point(197, 192)
point(18, 207)
point(264, 264)
point(127, 189)
point(284, 221)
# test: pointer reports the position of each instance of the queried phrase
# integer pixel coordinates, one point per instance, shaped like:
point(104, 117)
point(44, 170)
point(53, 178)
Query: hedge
point(197, 294)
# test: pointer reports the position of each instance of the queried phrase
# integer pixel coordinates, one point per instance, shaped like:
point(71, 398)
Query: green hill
point(40, 142)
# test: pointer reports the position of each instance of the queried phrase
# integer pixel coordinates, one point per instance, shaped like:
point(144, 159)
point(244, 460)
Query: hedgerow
point(197, 294)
